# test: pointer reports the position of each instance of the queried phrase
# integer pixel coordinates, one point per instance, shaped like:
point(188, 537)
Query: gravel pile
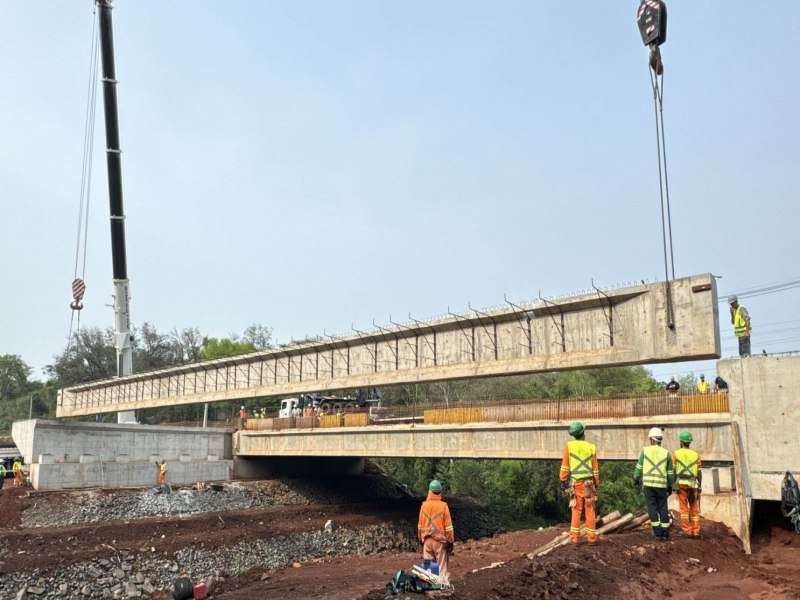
point(125, 574)
point(94, 507)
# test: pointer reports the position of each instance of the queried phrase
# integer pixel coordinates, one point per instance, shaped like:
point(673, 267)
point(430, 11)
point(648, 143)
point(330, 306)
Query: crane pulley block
point(652, 21)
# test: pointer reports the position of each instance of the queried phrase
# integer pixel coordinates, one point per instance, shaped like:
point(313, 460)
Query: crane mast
point(122, 318)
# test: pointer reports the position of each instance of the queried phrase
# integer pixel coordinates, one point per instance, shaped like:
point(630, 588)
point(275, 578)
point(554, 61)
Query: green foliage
point(224, 347)
point(617, 491)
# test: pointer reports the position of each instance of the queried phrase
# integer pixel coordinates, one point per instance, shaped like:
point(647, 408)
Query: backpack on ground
point(403, 582)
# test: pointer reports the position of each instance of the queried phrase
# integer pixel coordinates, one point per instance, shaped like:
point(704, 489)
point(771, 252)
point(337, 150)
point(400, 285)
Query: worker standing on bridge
point(702, 385)
point(689, 479)
point(741, 325)
point(435, 530)
point(580, 477)
point(17, 469)
point(673, 386)
point(654, 470)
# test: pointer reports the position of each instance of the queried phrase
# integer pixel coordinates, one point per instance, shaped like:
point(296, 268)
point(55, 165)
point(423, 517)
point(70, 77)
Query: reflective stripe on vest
point(686, 466)
point(430, 528)
point(580, 459)
point(739, 324)
point(655, 467)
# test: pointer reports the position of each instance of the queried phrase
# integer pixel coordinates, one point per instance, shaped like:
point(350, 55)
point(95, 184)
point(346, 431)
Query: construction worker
point(580, 478)
point(654, 471)
point(703, 385)
point(2, 473)
point(162, 472)
point(17, 470)
point(435, 530)
point(673, 386)
point(741, 325)
point(242, 417)
point(720, 385)
point(688, 483)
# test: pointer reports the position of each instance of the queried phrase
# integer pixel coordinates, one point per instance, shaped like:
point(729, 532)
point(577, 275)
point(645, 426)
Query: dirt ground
point(629, 565)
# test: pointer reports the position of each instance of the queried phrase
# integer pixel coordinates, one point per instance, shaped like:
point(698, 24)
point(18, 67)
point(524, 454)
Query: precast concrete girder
point(640, 324)
point(616, 439)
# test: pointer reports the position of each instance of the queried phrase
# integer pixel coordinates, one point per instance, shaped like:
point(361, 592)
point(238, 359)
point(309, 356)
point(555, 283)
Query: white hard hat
point(732, 298)
point(655, 432)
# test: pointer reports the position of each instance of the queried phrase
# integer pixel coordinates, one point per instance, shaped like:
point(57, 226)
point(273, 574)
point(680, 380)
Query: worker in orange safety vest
point(580, 477)
point(435, 530)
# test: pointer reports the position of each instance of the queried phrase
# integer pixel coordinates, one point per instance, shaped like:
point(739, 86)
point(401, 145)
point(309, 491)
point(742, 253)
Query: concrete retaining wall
point(63, 455)
point(59, 476)
point(67, 441)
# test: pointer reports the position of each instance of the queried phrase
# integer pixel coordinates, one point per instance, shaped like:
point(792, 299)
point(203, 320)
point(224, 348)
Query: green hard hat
point(685, 436)
point(435, 486)
point(576, 428)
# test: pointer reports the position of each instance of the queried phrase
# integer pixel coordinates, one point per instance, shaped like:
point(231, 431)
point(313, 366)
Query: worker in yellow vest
point(19, 478)
point(162, 472)
point(689, 480)
point(702, 385)
point(580, 477)
point(654, 472)
point(741, 325)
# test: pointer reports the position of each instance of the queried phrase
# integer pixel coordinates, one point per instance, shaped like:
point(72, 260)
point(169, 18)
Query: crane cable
point(78, 284)
point(656, 71)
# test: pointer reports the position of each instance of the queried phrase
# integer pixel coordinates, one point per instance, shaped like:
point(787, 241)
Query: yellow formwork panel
point(705, 403)
point(452, 415)
point(356, 419)
point(330, 420)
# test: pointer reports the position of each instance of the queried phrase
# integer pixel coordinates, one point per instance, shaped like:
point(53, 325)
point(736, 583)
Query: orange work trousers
point(162, 476)
point(582, 504)
point(690, 511)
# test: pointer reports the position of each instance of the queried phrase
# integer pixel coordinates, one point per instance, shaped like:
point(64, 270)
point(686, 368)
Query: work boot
point(697, 536)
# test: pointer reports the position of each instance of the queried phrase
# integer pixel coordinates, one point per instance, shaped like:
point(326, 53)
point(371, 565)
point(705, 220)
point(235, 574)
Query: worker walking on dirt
point(18, 475)
point(435, 530)
point(580, 477)
point(688, 482)
point(162, 472)
point(654, 471)
point(2, 474)
point(741, 325)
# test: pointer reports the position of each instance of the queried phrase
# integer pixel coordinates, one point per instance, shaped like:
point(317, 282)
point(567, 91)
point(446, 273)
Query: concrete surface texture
point(68, 441)
point(636, 325)
point(764, 400)
point(64, 455)
point(616, 439)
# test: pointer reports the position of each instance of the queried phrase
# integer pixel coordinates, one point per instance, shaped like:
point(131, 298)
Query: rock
point(139, 578)
point(329, 526)
point(118, 573)
point(148, 588)
point(21, 595)
point(692, 561)
point(36, 590)
point(86, 590)
point(131, 591)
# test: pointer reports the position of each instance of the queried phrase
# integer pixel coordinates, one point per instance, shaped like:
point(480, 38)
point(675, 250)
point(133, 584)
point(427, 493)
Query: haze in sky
point(312, 166)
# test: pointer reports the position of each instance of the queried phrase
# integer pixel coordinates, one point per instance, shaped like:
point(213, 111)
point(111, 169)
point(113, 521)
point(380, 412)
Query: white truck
point(326, 404)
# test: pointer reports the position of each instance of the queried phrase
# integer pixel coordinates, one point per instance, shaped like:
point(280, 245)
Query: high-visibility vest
point(655, 466)
point(702, 386)
point(580, 459)
point(739, 324)
point(163, 467)
point(434, 520)
point(686, 467)
point(17, 467)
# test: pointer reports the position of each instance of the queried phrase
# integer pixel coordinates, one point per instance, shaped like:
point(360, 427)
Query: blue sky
point(312, 165)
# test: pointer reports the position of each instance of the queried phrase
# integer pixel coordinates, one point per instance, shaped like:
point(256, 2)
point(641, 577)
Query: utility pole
point(122, 317)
